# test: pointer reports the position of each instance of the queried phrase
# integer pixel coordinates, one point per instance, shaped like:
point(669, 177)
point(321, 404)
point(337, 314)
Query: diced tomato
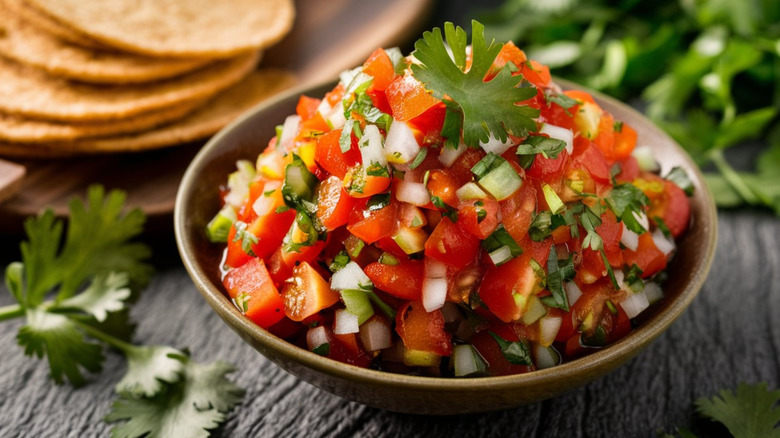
point(408, 98)
point(629, 170)
point(610, 232)
point(313, 126)
point(307, 107)
point(518, 212)
point(539, 251)
point(257, 297)
point(381, 68)
point(370, 226)
point(536, 73)
point(488, 348)
point(443, 184)
point(647, 256)
point(509, 53)
point(334, 205)
point(334, 96)
point(549, 170)
point(329, 156)
point(423, 331)
point(672, 206)
point(555, 114)
point(345, 349)
point(625, 142)
point(461, 168)
point(505, 289)
point(605, 140)
point(588, 156)
point(306, 293)
point(403, 280)
point(451, 245)
point(427, 126)
point(469, 217)
point(379, 99)
point(581, 96)
point(359, 184)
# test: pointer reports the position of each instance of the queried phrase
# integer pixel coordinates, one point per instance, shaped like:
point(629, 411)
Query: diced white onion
point(466, 360)
point(629, 239)
point(336, 117)
point(470, 191)
point(573, 292)
point(375, 334)
point(641, 217)
point(548, 329)
point(371, 146)
point(645, 159)
point(345, 323)
point(500, 255)
point(634, 304)
point(559, 133)
point(324, 108)
point(545, 357)
point(317, 336)
point(263, 204)
point(663, 243)
point(289, 131)
point(400, 144)
point(495, 145)
point(653, 292)
point(449, 155)
point(413, 193)
point(435, 268)
point(620, 276)
point(434, 292)
point(350, 276)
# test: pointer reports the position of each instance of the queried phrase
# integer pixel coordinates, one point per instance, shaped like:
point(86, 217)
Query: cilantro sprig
point(73, 289)
point(464, 89)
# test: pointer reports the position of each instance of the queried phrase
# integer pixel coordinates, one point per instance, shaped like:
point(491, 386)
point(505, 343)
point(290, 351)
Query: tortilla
point(20, 130)
point(47, 25)
point(202, 123)
point(28, 92)
point(176, 28)
point(25, 44)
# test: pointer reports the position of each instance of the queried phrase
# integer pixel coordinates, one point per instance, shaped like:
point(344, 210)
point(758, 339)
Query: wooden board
point(327, 38)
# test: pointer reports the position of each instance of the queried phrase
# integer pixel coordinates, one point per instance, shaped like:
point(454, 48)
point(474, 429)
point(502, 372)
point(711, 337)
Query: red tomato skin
point(677, 211)
point(381, 68)
point(517, 211)
point(307, 107)
point(443, 184)
point(427, 126)
point(647, 256)
point(468, 217)
point(499, 284)
point(421, 330)
point(334, 205)
point(461, 168)
point(587, 156)
point(402, 281)
point(371, 226)
point(265, 306)
point(408, 98)
point(629, 170)
point(549, 170)
point(451, 245)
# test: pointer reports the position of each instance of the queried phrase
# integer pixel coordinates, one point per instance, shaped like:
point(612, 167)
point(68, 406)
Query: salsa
point(450, 213)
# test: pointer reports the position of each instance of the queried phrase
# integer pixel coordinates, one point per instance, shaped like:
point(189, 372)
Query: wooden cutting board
point(328, 37)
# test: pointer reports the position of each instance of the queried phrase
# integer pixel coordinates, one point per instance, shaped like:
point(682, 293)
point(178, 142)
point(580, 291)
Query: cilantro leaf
point(557, 274)
point(202, 397)
point(59, 339)
point(626, 201)
point(106, 293)
point(750, 412)
point(445, 77)
point(148, 368)
point(516, 353)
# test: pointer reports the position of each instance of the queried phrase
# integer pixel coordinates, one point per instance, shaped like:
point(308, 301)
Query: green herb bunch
point(707, 71)
point(75, 296)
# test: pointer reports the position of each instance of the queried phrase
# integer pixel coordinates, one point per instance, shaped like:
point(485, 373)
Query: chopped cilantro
point(633, 279)
point(679, 176)
point(499, 238)
point(378, 202)
point(558, 272)
point(537, 144)
point(516, 352)
point(627, 200)
point(419, 158)
point(376, 169)
point(339, 261)
point(246, 238)
point(322, 349)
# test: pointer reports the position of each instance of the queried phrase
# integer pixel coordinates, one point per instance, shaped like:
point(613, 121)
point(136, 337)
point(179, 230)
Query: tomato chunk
point(251, 287)
point(370, 226)
point(408, 98)
point(403, 280)
point(647, 256)
point(450, 244)
point(423, 331)
point(506, 288)
point(334, 205)
point(306, 293)
point(329, 156)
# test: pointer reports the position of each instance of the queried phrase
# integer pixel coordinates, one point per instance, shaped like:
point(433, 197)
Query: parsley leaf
point(750, 412)
point(190, 407)
point(445, 77)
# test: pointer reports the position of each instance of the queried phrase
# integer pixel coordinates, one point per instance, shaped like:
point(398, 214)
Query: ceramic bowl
point(198, 200)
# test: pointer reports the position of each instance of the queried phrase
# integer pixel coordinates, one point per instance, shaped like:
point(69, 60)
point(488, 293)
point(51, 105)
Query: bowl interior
point(198, 201)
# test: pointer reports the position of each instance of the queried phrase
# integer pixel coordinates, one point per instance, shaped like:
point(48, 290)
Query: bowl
point(198, 200)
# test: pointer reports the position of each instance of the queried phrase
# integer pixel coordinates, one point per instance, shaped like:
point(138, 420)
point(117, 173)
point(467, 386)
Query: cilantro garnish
point(627, 200)
point(633, 279)
point(246, 238)
point(751, 411)
point(558, 272)
point(679, 176)
point(516, 353)
point(466, 91)
point(74, 296)
point(537, 144)
point(500, 238)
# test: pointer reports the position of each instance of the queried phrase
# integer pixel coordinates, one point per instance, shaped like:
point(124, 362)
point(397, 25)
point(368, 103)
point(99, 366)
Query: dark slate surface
point(730, 334)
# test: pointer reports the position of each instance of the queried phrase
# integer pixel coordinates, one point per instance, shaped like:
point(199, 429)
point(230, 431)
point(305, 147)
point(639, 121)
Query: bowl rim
point(621, 350)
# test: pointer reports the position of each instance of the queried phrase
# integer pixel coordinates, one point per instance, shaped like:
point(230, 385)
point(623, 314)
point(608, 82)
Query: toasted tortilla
point(178, 28)
point(45, 24)
point(25, 44)
point(202, 123)
point(31, 93)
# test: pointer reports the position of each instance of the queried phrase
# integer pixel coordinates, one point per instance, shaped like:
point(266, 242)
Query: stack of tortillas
point(81, 77)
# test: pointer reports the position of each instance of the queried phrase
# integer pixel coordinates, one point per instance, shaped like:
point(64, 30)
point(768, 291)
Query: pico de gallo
point(450, 213)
